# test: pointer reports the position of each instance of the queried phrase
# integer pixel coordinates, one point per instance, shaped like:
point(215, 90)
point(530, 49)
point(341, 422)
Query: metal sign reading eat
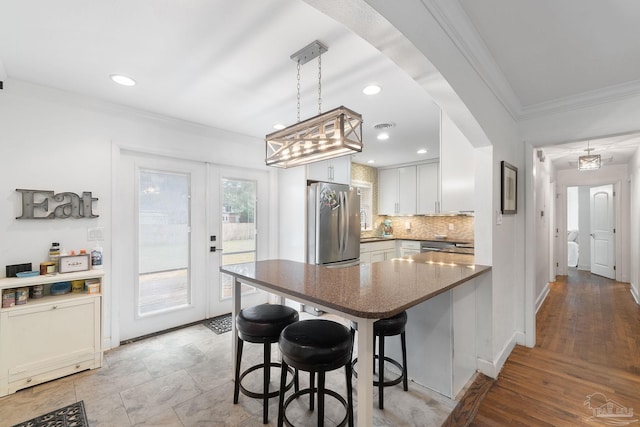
point(43, 204)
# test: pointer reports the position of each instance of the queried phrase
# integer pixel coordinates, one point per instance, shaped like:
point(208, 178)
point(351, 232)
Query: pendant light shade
point(332, 134)
point(327, 135)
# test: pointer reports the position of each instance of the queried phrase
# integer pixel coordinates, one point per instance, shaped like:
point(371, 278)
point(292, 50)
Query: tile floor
point(183, 378)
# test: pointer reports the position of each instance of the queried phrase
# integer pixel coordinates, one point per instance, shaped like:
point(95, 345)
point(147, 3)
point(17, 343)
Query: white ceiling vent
point(381, 126)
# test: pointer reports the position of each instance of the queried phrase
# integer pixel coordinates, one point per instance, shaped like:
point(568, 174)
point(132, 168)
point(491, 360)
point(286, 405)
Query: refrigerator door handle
point(340, 223)
point(346, 221)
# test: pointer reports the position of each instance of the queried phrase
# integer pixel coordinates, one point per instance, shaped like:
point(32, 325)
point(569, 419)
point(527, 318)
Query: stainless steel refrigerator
point(333, 224)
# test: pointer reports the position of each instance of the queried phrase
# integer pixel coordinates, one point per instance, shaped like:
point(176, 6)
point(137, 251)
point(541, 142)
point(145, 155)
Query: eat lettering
point(64, 205)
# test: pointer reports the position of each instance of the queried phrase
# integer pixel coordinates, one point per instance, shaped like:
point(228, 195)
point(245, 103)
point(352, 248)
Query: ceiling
point(220, 63)
point(227, 64)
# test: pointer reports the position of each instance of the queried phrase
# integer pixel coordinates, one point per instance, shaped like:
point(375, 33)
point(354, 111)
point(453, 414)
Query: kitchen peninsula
point(362, 293)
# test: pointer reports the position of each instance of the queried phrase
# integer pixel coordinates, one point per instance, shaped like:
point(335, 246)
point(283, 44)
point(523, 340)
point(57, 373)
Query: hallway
point(587, 356)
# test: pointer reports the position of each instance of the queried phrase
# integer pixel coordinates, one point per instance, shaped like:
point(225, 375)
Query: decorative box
point(69, 264)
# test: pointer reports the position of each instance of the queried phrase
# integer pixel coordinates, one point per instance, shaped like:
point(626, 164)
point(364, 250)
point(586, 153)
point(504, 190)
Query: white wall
point(52, 140)
point(634, 231)
point(572, 208)
point(542, 222)
point(584, 219)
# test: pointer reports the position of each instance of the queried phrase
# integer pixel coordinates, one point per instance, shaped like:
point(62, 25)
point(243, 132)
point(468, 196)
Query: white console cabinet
point(49, 337)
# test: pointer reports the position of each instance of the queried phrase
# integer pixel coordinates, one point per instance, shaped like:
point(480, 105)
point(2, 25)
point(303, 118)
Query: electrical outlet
point(450, 227)
point(95, 234)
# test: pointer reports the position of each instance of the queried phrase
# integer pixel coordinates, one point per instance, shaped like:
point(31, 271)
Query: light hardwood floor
point(587, 355)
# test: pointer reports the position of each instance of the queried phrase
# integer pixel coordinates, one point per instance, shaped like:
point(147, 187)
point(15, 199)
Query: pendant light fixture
point(590, 161)
point(327, 135)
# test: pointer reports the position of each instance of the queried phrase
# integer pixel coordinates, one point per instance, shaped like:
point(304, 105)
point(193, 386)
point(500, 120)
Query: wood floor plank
point(588, 344)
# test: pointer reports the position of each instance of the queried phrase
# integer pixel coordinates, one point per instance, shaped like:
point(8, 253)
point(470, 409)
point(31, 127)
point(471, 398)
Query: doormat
point(73, 415)
point(219, 324)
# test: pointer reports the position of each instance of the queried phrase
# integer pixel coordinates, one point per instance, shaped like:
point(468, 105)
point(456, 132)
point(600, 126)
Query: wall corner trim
point(492, 369)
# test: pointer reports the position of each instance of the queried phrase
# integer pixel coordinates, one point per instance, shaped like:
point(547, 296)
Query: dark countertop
point(369, 290)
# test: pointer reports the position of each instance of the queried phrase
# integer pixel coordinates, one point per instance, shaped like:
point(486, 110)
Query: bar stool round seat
point(262, 324)
point(388, 327)
point(316, 346)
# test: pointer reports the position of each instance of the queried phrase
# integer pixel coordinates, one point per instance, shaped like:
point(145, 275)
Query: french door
point(163, 236)
point(178, 222)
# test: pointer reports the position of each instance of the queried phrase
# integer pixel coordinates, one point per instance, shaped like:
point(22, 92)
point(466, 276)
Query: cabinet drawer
point(410, 244)
point(31, 380)
point(377, 246)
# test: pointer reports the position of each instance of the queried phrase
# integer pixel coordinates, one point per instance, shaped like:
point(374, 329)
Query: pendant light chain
point(298, 91)
point(319, 84)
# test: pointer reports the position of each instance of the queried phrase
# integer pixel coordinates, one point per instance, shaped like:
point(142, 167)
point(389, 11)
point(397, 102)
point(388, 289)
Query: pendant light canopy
point(327, 135)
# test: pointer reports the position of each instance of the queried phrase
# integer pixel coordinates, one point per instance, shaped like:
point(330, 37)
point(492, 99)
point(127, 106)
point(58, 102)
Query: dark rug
point(219, 324)
point(69, 416)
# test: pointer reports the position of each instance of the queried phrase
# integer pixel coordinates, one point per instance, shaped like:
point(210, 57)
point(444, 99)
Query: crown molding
point(458, 26)
point(582, 100)
point(454, 21)
point(75, 100)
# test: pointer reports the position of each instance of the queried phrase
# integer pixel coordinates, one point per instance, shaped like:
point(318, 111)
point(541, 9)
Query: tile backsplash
point(426, 227)
point(422, 227)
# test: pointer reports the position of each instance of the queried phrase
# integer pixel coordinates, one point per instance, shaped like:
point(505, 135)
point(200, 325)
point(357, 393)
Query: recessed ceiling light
point(371, 90)
point(422, 151)
point(371, 161)
point(123, 80)
point(383, 136)
point(279, 126)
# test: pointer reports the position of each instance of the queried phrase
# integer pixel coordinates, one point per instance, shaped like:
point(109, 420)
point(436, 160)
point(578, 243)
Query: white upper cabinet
point(457, 168)
point(336, 170)
point(397, 191)
point(428, 189)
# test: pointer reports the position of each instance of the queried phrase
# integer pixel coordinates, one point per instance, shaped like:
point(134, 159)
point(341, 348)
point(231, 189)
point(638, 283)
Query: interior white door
point(602, 231)
point(162, 278)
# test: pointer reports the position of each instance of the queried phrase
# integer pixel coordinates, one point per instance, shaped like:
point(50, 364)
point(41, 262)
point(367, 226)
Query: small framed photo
point(509, 188)
point(69, 264)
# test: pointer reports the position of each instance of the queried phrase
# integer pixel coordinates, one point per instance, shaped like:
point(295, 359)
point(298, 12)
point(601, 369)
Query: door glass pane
point(238, 228)
point(163, 241)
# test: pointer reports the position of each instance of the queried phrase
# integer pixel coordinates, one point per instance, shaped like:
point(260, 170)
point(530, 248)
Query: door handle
point(214, 249)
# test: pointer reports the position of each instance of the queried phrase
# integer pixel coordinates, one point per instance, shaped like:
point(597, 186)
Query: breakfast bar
point(362, 293)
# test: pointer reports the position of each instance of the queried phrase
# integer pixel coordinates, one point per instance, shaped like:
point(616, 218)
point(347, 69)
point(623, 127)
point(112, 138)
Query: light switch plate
point(95, 234)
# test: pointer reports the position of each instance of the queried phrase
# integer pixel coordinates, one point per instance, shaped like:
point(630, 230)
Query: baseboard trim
point(542, 297)
point(635, 294)
point(492, 369)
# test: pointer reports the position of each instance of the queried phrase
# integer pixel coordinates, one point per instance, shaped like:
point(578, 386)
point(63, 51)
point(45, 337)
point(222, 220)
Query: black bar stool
point(316, 346)
point(262, 324)
point(382, 328)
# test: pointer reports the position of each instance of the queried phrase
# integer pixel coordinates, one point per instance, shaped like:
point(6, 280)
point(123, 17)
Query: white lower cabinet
point(377, 251)
point(441, 335)
point(408, 247)
point(49, 338)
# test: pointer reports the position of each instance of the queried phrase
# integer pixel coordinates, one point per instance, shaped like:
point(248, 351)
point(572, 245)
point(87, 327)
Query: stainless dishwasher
point(433, 246)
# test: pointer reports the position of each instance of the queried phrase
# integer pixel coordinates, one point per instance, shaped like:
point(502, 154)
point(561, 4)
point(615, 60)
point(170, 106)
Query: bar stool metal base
point(262, 395)
point(311, 391)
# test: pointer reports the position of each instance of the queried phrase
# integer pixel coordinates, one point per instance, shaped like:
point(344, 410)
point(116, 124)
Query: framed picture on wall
point(509, 188)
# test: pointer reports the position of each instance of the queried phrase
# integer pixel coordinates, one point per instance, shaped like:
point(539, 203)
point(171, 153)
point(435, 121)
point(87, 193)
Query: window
point(366, 204)
point(163, 241)
point(238, 228)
